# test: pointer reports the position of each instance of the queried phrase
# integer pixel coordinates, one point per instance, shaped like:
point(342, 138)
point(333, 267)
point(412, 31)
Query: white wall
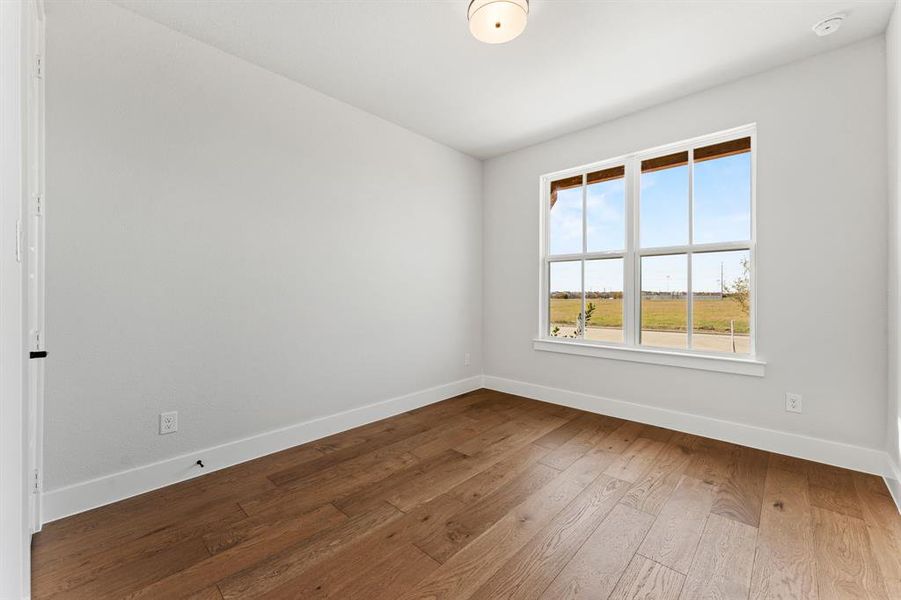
point(234, 246)
point(237, 247)
point(821, 251)
point(893, 129)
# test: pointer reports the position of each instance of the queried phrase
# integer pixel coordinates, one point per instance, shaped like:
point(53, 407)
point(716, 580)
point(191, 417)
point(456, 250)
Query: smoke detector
point(828, 25)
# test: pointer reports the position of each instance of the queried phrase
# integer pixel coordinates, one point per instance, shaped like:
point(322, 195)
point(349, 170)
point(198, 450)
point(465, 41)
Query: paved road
point(671, 339)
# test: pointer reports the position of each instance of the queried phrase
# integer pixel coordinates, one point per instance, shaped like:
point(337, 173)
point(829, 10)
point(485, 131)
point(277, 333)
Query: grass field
point(664, 315)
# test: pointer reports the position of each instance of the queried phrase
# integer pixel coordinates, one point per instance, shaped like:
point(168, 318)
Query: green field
point(664, 315)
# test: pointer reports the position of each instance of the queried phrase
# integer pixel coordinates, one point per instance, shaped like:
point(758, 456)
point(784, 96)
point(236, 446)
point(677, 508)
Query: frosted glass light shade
point(497, 21)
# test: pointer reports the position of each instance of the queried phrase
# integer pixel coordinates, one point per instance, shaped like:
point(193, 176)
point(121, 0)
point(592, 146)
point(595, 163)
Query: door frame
point(35, 244)
point(21, 169)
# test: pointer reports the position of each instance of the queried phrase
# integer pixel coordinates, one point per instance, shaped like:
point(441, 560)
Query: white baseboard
point(90, 494)
point(858, 458)
point(893, 480)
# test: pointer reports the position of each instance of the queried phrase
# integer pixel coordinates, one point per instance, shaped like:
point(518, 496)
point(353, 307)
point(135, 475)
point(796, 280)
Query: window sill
point(671, 358)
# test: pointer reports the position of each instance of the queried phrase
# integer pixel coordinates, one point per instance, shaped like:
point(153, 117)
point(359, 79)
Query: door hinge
point(38, 204)
point(39, 66)
point(36, 482)
point(37, 339)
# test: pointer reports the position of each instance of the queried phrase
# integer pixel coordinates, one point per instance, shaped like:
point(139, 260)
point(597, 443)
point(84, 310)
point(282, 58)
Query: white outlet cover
point(793, 402)
point(168, 422)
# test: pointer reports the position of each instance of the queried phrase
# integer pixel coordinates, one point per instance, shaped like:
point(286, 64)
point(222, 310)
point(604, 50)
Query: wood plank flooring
point(489, 495)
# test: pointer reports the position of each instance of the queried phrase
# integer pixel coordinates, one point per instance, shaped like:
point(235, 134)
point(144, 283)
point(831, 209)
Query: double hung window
point(654, 249)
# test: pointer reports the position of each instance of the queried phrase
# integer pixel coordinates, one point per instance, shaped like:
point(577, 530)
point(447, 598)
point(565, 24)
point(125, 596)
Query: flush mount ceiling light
point(497, 21)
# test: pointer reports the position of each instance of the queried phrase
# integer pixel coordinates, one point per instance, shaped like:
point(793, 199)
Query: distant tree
point(740, 288)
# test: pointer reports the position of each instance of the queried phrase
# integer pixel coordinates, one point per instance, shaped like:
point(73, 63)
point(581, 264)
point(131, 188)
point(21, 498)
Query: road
point(671, 339)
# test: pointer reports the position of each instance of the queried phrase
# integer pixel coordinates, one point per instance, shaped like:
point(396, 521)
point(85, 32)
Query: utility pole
point(722, 282)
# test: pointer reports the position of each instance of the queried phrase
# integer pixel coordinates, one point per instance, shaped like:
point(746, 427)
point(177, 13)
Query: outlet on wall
point(793, 402)
point(466, 360)
point(168, 422)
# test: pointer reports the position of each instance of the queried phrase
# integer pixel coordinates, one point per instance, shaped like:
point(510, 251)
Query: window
point(654, 250)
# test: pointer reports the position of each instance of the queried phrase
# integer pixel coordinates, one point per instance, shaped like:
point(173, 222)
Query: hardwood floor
point(489, 495)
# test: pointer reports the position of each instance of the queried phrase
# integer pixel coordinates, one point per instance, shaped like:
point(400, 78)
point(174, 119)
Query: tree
point(740, 288)
point(580, 322)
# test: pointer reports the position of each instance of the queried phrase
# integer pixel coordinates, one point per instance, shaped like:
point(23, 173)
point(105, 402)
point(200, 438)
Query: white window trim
point(721, 363)
point(630, 350)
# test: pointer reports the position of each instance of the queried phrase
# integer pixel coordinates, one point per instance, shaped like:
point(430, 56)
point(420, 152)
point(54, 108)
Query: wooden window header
point(607, 174)
point(564, 184)
point(593, 177)
point(723, 149)
point(720, 150)
point(664, 162)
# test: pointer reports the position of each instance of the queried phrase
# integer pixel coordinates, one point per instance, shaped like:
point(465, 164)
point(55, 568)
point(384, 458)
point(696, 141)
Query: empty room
point(450, 299)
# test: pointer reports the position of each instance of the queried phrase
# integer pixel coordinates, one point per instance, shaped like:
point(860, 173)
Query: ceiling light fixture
point(497, 21)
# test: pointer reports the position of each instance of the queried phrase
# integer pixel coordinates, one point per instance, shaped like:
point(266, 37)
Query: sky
point(721, 213)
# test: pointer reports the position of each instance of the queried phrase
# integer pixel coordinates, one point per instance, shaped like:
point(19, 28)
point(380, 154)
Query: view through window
point(655, 249)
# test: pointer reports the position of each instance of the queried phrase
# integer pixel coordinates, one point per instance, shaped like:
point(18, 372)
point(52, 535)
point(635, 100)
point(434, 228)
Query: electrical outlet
point(466, 360)
point(168, 422)
point(793, 402)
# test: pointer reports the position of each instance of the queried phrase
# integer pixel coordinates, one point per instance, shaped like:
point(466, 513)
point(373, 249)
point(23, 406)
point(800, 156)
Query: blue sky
point(722, 213)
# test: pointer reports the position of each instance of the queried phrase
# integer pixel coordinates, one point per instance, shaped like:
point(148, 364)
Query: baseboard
point(858, 458)
point(90, 494)
point(104, 490)
point(893, 480)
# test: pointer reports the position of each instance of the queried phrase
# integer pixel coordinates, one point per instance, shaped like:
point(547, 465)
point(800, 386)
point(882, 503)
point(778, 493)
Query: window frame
point(632, 255)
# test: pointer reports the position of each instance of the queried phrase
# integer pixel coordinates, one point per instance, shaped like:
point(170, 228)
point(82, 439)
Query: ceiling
point(579, 63)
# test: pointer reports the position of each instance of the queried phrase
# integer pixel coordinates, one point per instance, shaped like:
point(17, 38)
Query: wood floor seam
point(426, 552)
